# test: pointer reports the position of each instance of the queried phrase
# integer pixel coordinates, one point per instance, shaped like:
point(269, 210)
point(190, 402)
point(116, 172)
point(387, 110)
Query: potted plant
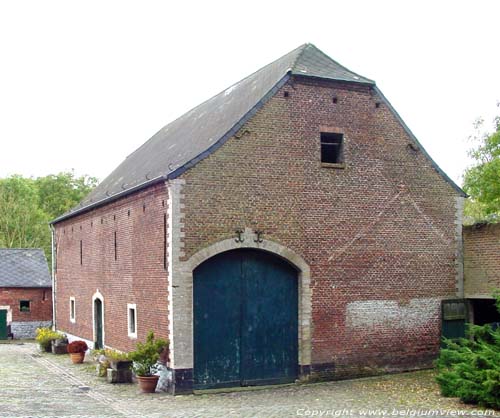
point(45, 336)
point(119, 364)
point(60, 345)
point(145, 358)
point(76, 350)
point(101, 360)
point(118, 360)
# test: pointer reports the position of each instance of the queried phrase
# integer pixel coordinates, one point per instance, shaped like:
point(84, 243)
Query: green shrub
point(469, 368)
point(146, 355)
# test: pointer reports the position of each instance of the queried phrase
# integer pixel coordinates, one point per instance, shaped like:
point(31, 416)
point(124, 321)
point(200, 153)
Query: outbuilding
point(25, 292)
point(290, 227)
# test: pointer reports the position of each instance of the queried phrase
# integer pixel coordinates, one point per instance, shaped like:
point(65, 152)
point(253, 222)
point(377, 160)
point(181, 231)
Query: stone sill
point(333, 165)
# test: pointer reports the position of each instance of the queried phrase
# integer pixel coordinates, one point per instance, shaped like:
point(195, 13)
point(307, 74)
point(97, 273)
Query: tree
point(27, 205)
point(61, 192)
point(482, 180)
point(23, 223)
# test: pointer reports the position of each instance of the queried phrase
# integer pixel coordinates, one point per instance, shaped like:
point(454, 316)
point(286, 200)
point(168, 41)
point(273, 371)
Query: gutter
point(108, 199)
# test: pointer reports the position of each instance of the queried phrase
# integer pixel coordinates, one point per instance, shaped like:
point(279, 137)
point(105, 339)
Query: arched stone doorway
point(180, 303)
point(245, 313)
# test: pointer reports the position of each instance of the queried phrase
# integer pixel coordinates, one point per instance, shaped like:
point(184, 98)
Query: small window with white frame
point(132, 320)
point(72, 309)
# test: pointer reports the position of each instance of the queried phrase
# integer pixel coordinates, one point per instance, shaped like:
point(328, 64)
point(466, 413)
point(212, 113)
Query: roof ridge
point(337, 63)
point(303, 47)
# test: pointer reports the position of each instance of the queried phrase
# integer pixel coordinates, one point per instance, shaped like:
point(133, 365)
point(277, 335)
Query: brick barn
point(290, 227)
point(25, 292)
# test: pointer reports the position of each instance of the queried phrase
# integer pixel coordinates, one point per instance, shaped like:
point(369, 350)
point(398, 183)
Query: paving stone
point(34, 384)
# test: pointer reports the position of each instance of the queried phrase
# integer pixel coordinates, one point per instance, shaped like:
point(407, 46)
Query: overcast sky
point(84, 83)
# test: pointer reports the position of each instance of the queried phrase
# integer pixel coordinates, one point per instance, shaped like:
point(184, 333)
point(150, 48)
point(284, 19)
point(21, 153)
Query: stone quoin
point(305, 163)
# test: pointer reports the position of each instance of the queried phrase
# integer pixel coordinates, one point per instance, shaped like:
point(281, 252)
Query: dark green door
point(454, 318)
point(98, 323)
point(245, 320)
point(3, 324)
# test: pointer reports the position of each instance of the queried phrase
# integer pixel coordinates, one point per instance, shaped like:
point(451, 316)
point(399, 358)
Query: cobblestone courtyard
point(43, 385)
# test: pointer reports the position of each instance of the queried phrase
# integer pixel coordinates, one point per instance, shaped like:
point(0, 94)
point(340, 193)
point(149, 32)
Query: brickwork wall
point(380, 235)
point(40, 306)
point(136, 276)
point(481, 260)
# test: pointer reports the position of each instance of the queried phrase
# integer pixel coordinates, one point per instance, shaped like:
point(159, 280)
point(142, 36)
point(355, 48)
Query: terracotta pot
point(147, 384)
point(77, 357)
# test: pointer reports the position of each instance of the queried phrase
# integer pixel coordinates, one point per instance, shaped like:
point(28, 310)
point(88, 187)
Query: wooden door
point(98, 324)
point(3, 324)
point(245, 320)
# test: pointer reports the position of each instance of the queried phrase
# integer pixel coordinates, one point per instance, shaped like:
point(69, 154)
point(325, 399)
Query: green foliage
point(147, 354)
point(23, 223)
point(61, 192)
point(45, 336)
point(115, 355)
point(469, 368)
point(482, 180)
point(29, 204)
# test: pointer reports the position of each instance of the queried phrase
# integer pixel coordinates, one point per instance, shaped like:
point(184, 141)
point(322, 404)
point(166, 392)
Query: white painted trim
point(9, 312)
point(181, 292)
point(72, 338)
point(98, 295)
point(72, 318)
point(131, 306)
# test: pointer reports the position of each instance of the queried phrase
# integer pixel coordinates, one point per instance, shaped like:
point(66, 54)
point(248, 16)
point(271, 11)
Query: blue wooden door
point(217, 312)
point(245, 320)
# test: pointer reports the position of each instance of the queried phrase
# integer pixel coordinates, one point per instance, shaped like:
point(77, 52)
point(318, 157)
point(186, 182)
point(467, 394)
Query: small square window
point(132, 320)
point(72, 309)
point(24, 305)
point(332, 148)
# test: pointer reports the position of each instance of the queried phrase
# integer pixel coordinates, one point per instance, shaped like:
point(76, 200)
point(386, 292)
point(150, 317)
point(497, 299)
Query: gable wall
point(24, 324)
point(40, 307)
point(380, 235)
point(136, 277)
point(481, 260)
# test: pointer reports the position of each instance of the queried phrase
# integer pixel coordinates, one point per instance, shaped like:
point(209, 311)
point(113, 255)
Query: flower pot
point(77, 357)
point(120, 364)
point(45, 348)
point(59, 347)
point(147, 384)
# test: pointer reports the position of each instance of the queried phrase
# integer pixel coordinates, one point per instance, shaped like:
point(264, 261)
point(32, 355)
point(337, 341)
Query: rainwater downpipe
point(53, 264)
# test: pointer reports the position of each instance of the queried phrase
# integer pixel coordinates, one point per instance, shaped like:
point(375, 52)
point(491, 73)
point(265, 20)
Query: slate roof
point(24, 267)
point(190, 138)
